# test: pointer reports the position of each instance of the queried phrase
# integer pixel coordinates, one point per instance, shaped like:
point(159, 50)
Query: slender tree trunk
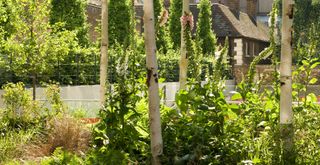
point(183, 57)
point(152, 82)
point(286, 114)
point(34, 83)
point(104, 51)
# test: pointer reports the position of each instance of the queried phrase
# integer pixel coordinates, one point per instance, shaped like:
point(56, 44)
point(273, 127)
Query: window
point(249, 47)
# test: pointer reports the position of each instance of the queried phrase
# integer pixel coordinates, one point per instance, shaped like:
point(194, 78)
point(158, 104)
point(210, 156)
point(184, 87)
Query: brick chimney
point(252, 7)
point(233, 4)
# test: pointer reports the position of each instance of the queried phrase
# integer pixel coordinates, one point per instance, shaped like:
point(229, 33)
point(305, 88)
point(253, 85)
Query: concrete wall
point(87, 97)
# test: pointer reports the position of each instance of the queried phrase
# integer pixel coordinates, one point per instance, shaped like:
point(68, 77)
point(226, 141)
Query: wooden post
point(104, 51)
point(286, 113)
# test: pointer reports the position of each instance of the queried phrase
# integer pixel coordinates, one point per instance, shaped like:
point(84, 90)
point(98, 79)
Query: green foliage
point(306, 9)
point(204, 33)
point(119, 23)
point(72, 15)
point(174, 22)
point(207, 129)
point(6, 18)
point(60, 157)
point(20, 112)
point(162, 34)
point(221, 68)
point(249, 85)
point(33, 40)
point(119, 136)
point(11, 142)
point(303, 75)
point(54, 99)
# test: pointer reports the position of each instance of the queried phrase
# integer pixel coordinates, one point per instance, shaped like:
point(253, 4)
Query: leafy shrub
point(119, 137)
point(60, 157)
point(20, 111)
point(54, 99)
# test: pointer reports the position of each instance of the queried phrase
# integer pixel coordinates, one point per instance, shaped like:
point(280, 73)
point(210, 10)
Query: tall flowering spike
point(187, 20)
point(163, 19)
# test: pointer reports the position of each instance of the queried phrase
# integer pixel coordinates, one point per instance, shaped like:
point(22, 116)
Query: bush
point(20, 111)
point(60, 157)
point(56, 104)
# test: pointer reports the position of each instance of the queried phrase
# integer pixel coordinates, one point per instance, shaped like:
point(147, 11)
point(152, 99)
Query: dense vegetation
point(205, 126)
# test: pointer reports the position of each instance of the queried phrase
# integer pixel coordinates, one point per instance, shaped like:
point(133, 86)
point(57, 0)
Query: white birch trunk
point(152, 82)
point(183, 57)
point(286, 113)
point(104, 51)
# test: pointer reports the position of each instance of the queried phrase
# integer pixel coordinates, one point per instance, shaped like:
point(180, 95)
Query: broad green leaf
point(312, 97)
point(315, 65)
point(236, 96)
point(313, 81)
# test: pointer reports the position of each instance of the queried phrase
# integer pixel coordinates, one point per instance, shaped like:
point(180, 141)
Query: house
point(235, 19)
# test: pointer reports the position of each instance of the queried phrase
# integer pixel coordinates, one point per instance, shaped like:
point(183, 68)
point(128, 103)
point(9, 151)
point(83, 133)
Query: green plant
point(72, 15)
point(119, 136)
point(61, 156)
point(6, 18)
point(161, 15)
point(20, 111)
point(221, 66)
point(35, 40)
point(54, 99)
point(119, 23)
point(11, 144)
point(174, 22)
point(204, 34)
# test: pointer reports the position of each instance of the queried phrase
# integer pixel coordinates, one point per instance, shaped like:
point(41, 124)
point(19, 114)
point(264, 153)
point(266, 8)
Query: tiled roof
point(227, 22)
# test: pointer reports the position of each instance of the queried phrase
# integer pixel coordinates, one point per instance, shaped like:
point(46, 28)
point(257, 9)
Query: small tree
point(119, 23)
point(33, 48)
point(174, 22)
point(205, 35)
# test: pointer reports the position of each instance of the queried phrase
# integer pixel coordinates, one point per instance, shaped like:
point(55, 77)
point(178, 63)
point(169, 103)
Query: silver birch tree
point(286, 113)
point(152, 82)
point(104, 51)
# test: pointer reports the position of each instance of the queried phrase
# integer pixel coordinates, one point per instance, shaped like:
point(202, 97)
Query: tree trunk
point(34, 83)
point(104, 51)
point(152, 82)
point(286, 114)
point(183, 57)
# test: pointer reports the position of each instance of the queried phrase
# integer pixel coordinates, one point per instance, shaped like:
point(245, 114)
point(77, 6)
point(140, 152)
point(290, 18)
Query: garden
point(267, 119)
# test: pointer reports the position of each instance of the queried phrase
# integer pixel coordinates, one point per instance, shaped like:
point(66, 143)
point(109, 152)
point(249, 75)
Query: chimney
point(252, 7)
point(233, 4)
